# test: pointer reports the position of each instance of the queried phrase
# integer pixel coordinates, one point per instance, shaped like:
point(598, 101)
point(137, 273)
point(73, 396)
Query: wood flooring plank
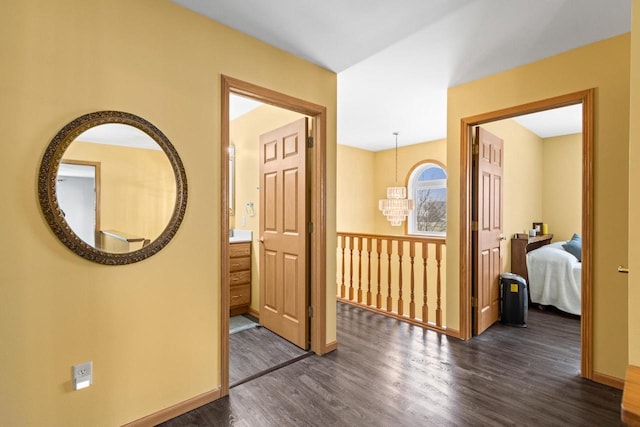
point(389, 373)
point(255, 350)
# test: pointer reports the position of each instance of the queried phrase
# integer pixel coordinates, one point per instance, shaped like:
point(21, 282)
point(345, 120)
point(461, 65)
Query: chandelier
point(396, 206)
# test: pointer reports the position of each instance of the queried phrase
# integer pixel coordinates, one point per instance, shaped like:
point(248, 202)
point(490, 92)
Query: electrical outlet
point(82, 375)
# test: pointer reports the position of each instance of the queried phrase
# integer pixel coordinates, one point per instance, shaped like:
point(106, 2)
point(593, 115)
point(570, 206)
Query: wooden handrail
point(389, 264)
point(417, 239)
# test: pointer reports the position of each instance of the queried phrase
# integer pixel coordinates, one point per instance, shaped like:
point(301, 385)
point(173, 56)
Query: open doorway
point(268, 238)
point(585, 98)
point(315, 184)
point(78, 190)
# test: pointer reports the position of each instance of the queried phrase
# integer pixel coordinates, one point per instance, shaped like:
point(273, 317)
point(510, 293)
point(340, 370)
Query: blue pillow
point(574, 246)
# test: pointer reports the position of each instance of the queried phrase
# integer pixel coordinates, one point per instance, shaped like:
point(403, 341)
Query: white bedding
point(555, 277)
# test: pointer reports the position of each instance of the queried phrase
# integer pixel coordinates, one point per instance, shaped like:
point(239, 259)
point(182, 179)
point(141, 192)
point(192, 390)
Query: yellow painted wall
point(137, 187)
point(634, 191)
point(356, 204)
point(604, 66)
point(385, 166)
point(363, 178)
point(522, 173)
point(150, 328)
point(562, 185)
point(244, 133)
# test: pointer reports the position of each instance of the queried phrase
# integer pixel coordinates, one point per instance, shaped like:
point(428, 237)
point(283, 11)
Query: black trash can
point(513, 300)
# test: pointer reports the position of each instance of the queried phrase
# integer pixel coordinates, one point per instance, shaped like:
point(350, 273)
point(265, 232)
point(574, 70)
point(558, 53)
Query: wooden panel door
point(284, 298)
point(487, 238)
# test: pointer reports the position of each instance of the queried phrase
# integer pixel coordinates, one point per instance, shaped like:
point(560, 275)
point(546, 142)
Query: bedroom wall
point(150, 328)
point(245, 133)
point(634, 191)
point(604, 66)
point(562, 185)
point(523, 172)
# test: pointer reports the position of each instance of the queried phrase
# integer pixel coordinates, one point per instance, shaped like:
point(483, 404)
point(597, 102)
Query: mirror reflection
point(112, 187)
point(116, 188)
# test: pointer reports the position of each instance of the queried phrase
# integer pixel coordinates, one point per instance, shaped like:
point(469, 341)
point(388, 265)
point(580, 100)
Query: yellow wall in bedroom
point(244, 133)
point(150, 328)
point(523, 197)
point(562, 185)
point(634, 192)
point(542, 182)
point(604, 66)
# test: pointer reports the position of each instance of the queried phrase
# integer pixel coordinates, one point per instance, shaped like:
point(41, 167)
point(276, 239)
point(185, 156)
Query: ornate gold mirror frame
point(47, 181)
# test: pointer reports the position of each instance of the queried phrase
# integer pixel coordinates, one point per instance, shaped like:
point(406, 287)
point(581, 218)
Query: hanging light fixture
point(396, 206)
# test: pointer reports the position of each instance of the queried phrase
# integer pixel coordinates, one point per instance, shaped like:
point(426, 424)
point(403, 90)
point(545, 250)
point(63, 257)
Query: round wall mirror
point(112, 187)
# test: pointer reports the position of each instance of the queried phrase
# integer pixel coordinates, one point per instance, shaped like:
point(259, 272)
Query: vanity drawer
point(240, 295)
point(239, 264)
point(240, 249)
point(240, 277)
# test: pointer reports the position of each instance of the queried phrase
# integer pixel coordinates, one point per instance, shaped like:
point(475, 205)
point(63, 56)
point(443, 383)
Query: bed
point(555, 277)
point(552, 273)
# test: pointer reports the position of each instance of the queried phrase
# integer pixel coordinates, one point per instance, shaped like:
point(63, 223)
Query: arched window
point(428, 189)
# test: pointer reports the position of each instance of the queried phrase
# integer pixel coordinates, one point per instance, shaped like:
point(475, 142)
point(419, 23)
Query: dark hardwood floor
point(389, 373)
point(257, 350)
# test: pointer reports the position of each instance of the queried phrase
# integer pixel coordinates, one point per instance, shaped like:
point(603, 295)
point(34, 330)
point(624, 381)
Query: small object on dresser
point(532, 232)
point(538, 227)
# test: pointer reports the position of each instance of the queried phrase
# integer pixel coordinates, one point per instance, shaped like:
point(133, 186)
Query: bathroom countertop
point(240, 236)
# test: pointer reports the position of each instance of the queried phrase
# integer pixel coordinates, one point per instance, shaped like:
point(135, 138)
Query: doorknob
point(501, 237)
point(622, 269)
point(261, 239)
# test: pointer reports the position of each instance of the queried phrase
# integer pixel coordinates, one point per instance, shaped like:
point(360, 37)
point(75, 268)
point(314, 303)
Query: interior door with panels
point(487, 231)
point(284, 297)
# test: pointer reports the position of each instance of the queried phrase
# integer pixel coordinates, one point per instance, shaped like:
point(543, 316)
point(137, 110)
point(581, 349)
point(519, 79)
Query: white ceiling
point(118, 134)
point(559, 121)
point(395, 60)
point(239, 105)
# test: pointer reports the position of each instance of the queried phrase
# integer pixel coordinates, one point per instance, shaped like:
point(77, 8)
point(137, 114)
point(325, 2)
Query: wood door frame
point(317, 191)
point(96, 168)
point(586, 98)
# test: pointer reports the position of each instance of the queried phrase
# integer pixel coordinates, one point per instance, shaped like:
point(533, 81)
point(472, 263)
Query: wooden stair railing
point(386, 272)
